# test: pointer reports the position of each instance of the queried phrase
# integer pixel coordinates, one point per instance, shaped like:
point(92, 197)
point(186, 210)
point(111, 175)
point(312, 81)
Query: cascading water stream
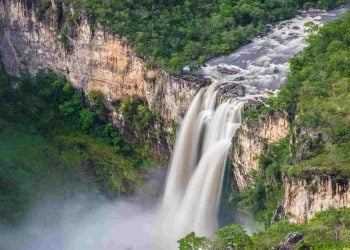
point(193, 189)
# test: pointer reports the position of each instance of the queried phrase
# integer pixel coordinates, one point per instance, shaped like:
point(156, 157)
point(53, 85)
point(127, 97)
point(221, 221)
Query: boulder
point(290, 241)
point(228, 71)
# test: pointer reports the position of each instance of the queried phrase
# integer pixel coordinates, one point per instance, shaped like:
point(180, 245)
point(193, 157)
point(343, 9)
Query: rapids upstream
point(262, 65)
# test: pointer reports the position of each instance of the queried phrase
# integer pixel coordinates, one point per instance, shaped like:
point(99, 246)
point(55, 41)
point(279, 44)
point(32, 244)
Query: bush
point(97, 100)
point(232, 237)
point(192, 241)
point(137, 114)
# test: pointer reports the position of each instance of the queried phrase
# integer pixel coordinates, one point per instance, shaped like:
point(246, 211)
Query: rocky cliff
point(304, 197)
point(251, 141)
point(91, 57)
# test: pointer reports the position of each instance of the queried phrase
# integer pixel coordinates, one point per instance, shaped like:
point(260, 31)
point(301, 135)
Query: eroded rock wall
point(304, 197)
point(251, 141)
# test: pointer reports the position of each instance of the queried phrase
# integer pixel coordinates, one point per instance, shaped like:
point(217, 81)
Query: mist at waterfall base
point(87, 221)
point(83, 222)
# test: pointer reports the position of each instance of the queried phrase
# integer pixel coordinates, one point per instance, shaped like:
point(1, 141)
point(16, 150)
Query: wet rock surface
point(226, 70)
point(290, 241)
point(230, 89)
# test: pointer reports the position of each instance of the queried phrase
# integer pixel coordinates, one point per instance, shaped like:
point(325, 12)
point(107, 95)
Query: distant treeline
point(178, 33)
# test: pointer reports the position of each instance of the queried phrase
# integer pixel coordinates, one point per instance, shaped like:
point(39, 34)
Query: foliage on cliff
point(53, 143)
point(319, 92)
point(177, 33)
point(327, 230)
point(261, 200)
point(137, 114)
point(317, 98)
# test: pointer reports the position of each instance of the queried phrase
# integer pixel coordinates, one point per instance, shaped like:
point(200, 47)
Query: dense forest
point(178, 33)
point(316, 96)
point(52, 142)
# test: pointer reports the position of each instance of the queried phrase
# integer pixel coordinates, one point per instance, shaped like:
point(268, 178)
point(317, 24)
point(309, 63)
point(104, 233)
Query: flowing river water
point(193, 185)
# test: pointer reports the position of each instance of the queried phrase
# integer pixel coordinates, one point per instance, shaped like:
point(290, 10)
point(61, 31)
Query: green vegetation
point(191, 241)
point(53, 143)
point(327, 230)
point(137, 114)
point(144, 124)
point(233, 237)
point(177, 33)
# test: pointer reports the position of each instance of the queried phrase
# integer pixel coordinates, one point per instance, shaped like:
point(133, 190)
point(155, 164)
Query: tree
point(232, 237)
point(192, 242)
point(87, 119)
point(97, 100)
point(334, 220)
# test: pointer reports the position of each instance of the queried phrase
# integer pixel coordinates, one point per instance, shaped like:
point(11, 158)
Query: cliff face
point(250, 142)
point(303, 198)
point(92, 58)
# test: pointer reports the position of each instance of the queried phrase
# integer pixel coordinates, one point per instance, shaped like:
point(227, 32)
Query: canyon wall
point(304, 197)
point(91, 58)
point(251, 141)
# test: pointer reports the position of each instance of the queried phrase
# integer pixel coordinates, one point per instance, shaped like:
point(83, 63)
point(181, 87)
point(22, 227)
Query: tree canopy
point(179, 33)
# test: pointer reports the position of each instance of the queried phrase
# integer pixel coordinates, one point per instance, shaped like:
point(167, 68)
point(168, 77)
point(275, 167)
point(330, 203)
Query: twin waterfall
point(193, 189)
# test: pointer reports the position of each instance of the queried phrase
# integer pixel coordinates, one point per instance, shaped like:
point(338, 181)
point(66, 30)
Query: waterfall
point(194, 182)
point(193, 187)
